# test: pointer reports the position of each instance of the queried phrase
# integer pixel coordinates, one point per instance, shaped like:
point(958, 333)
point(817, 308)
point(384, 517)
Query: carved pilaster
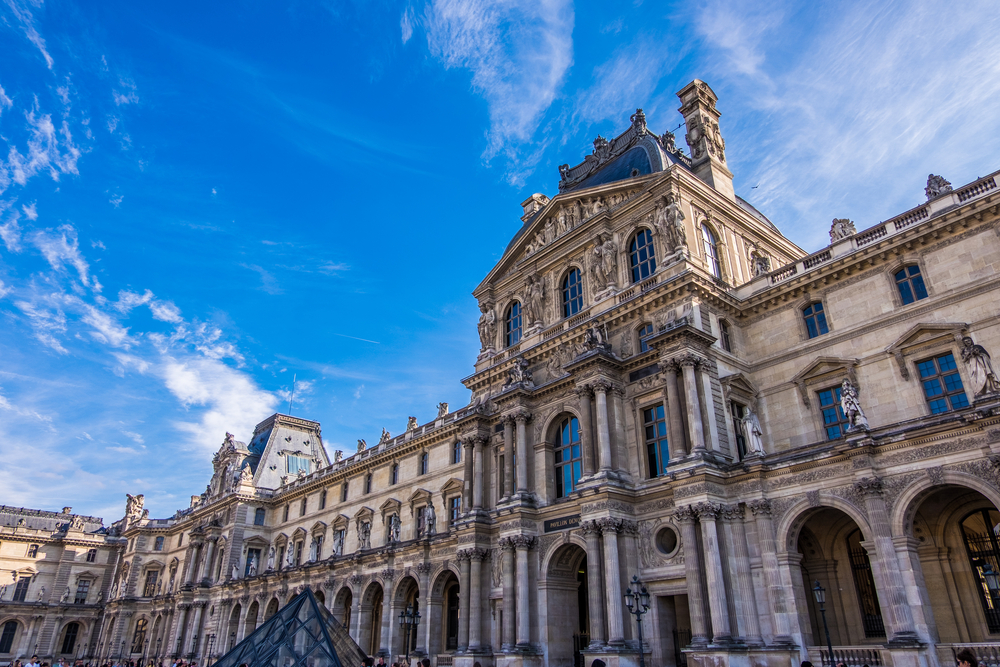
point(732, 513)
point(523, 541)
point(869, 486)
point(610, 525)
point(685, 514)
point(590, 527)
point(707, 510)
point(760, 507)
point(506, 543)
point(522, 416)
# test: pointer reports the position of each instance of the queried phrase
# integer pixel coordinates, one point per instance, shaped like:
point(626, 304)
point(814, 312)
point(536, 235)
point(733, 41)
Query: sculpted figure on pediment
point(487, 326)
point(561, 224)
point(550, 230)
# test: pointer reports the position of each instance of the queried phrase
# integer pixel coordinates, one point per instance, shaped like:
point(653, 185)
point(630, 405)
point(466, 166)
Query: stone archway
point(370, 618)
point(406, 596)
point(232, 629)
point(250, 622)
point(442, 614)
point(343, 602)
point(566, 632)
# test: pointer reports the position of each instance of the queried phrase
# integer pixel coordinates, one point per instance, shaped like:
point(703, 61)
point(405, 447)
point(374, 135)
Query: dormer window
point(296, 464)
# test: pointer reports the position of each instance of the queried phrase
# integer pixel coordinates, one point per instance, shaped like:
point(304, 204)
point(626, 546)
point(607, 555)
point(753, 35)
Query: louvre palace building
point(668, 388)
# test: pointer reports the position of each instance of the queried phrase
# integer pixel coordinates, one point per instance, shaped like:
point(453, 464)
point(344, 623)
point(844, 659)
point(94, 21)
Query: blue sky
point(198, 201)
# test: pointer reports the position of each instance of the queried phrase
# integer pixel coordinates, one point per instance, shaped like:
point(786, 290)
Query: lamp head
point(820, 593)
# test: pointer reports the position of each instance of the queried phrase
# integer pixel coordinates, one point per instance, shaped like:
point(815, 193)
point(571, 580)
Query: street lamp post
point(408, 619)
point(637, 602)
point(194, 647)
point(157, 658)
point(211, 644)
point(145, 647)
point(820, 594)
point(232, 640)
point(121, 653)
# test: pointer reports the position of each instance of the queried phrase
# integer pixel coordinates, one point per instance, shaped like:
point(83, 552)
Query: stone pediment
point(341, 522)
point(450, 488)
point(925, 334)
point(740, 384)
point(364, 513)
point(824, 368)
point(318, 527)
point(420, 496)
point(389, 507)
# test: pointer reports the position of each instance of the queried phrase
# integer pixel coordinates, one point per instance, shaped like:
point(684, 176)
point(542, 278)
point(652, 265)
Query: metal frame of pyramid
point(300, 634)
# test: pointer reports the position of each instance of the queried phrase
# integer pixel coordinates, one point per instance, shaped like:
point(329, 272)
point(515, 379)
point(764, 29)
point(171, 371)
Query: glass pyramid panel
point(301, 634)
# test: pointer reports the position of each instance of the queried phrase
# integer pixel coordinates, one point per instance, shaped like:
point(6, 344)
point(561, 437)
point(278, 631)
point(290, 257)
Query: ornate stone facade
point(733, 421)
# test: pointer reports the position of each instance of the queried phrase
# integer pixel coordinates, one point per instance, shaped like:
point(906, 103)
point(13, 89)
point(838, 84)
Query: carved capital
point(692, 360)
point(732, 512)
point(760, 507)
point(479, 441)
point(523, 541)
point(423, 568)
point(584, 392)
point(355, 579)
point(685, 514)
point(709, 511)
point(630, 527)
point(610, 524)
point(507, 419)
point(506, 543)
point(522, 416)
point(590, 527)
point(869, 486)
point(479, 554)
point(388, 574)
point(601, 386)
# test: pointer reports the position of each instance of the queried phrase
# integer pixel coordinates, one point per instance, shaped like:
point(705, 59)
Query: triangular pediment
point(824, 368)
point(417, 497)
point(341, 522)
point(390, 506)
point(740, 383)
point(364, 513)
point(928, 334)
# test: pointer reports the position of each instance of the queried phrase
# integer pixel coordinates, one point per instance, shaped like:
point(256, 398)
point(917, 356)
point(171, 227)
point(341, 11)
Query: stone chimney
point(708, 149)
point(533, 204)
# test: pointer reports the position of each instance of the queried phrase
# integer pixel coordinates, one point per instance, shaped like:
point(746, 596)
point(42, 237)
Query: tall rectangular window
point(82, 589)
point(456, 452)
point(91, 555)
point(942, 384)
point(815, 320)
point(568, 459)
point(322, 499)
point(149, 590)
point(302, 508)
point(32, 551)
point(343, 492)
point(454, 509)
point(833, 417)
point(158, 544)
point(285, 514)
point(258, 516)
point(739, 412)
point(657, 451)
point(298, 552)
point(423, 463)
point(21, 589)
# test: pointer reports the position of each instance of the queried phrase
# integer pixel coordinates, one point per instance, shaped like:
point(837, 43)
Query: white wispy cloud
point(518, 53)
point(406, 24)
point(30, 211)
point(22, 12)
point(116, 200)
point(127, 94)
point(5, 102)
point(268, 282)
point(10, 230)
point(46, 322)
point(61, 248)
point(48, 148)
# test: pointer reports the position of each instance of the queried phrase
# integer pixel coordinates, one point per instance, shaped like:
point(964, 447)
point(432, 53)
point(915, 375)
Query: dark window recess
point(981, 545)
point(498, 428)
point(864, 584)
point(643, 372)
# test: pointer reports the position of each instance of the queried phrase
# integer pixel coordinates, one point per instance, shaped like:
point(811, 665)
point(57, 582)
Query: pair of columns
point(470, 626)
point(516, 592)
point(519, 420)
point(593, 399)
point(692, 430)
point(472, 488)
point(605, 592)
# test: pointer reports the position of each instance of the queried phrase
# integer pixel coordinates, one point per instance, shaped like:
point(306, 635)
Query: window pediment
point(923, 336)
point(389, 507)
point(738, 384)
point(341, 522)
point(418, 497)
point(825, 369)
point(365, 513)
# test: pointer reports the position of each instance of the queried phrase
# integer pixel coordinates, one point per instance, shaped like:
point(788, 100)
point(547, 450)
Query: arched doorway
point(343, 602)
point(407, 597)
point(70, 634)
point(834, 552)
point(370, 636)
point(250, 624)
point(442, 615)
point(272, 608)
point(155, 637)
point(567, 607)
point(233, 628)
point(8, 633)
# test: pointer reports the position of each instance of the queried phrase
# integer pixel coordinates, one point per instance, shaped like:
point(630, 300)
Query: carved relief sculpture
point(936, 186)
point(851, 406)
point(760, 264)
point(604, 267)
point(430, 520)
point(519, 374)
point(487, 327)
point(669, 221)
point(841, 229)
point(534, 297)
point(394, 528)
point(977, 362)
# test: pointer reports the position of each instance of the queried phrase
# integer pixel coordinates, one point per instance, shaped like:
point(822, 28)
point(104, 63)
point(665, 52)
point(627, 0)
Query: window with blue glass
point(942, 384)
point(815, 319)
point(725, 340)
point(644, 333)
point(572, 293)
point(656, 440)
point(642, 256)
point(456, 452)
point(711, 251)
point(910, 284)
point(568, 461)
point(833, 417)
point(512, 325)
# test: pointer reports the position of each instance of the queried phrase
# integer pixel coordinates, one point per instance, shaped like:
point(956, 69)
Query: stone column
point(194, 634)
point(467, 484)
point(696, 433)
point(916, 587)
point(508, 456)
point(476, 558)
point(709, 422)
point(190, 567)
point(464, 600)
point(507, 546)
point(595, 601)
point(521, 544)
point(675, 422)
point(356, 593)
point(241, 628)
point(523, 447)
point(388, 615)
point(424, 630)
point(478, 467)
point(761, 510)
point(601, 388)
point(586, 431)
point(612, 580)
point(747, 623)
point(718, 601)
point(894, 601)
point(206, 563)
point(685, 518)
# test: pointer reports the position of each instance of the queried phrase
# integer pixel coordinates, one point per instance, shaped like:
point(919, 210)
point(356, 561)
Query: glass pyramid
point(301, 634)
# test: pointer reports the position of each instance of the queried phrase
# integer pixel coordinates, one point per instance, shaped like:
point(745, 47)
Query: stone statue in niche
point(604, 266)
point(384, 440)
point(977, 362)
point(751, 425)
point(534, 298)
point(394, 528)
point(65, 596)
point(362, 445)
point(442, 410)
point(234, 574)
point(290, 556)
point(625, 347)
point(841, 229)
point(313, 550)
point(430, 520)
point(669, 221)
point(364, 535)
point(487, 326)
point(338, 543)
point(936, 186)
point(850, 404)
point(252, 566)
point(760, 264)
point(270, 559)
point(411, 423)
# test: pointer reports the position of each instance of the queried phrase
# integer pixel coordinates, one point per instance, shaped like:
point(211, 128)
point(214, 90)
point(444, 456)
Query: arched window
point(711, 251)
point(815, 319)
point(642, 256)
point(645, 332)
point(910, 284)
point(139, 637)
point(7, 636)
point(394, 473)
point(724, 340)
point(568, 461)
point(512, 325)
point(979, 535)
point(73, 629)
point(572, 293)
